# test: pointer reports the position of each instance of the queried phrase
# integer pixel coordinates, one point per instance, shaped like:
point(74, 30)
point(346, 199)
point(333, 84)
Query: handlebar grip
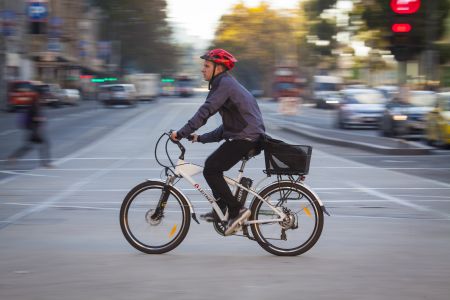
point(190, 137)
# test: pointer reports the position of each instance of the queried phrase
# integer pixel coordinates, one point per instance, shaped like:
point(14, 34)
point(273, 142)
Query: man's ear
point(222, 68)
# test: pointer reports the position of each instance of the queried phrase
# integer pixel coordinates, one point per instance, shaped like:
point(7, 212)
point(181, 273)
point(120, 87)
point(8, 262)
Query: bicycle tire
point(315, 212)
point(176, 234)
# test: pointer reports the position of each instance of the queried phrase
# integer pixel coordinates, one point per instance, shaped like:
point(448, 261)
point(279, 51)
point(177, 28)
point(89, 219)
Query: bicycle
point(286, 215)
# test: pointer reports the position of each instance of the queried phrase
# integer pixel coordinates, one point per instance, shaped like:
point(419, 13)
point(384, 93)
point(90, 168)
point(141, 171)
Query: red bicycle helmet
point(220, 56)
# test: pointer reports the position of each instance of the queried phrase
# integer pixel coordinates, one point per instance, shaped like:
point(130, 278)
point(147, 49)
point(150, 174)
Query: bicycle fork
point(159, 210)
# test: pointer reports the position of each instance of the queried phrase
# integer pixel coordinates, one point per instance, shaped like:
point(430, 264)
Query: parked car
point(184, 86)
point(20, 93)
point(50, 94)
point(70, 96)
point(117, 94)
point(329, 100)
point(389, 91)
point(323, 85)
point(407, 118)
point(438, 122)
point(360, 108)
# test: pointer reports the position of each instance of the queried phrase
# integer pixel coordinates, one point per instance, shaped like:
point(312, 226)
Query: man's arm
point(213, 136)
point(209, 108)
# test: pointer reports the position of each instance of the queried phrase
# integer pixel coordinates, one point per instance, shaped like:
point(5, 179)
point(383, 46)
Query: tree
point(317, 41)
point(142, 31)
point(260, 37)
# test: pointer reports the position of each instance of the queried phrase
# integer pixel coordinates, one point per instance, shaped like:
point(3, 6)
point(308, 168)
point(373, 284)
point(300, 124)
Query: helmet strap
point(212, 76)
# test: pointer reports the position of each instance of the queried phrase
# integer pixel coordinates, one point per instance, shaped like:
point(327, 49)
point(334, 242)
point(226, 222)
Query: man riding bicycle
point(242, 127)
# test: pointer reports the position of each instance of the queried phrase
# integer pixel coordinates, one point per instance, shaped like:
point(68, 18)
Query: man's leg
point(223, 159)
point(44, 151)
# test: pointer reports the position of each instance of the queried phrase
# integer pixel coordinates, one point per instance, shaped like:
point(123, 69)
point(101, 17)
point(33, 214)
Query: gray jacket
point(241, 117)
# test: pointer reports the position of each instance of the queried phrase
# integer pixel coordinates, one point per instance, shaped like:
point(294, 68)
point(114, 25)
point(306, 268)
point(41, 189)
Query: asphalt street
point(388, 236)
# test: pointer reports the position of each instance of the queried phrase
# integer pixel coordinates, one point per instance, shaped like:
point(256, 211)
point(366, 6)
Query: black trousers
point(223, 159)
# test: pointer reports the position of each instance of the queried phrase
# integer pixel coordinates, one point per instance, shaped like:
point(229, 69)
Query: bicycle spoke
point(300, 228)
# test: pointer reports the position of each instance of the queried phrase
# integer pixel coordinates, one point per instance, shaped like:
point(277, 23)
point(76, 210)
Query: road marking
point(65, 206)
point(389, 217)
point(397, 200)
point(399, 161)
point(27, 174)
point(77, 186)
point(6, 132)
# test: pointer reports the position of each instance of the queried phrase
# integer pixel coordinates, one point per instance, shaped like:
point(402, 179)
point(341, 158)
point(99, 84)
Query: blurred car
point(438, 122)
point(70, 96)
point(117, 94)
point(360, 108)
point(257, 93)
point(389, 91)
point(407, 118)
point(50, 94)
point(329, 99)
point(20, 93)
point(356, 86)
point(184, 86)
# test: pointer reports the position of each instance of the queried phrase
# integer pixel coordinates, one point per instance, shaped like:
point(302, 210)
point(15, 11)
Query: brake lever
point(178, 143)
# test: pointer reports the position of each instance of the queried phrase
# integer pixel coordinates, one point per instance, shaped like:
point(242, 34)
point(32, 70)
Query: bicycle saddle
point(252, 153)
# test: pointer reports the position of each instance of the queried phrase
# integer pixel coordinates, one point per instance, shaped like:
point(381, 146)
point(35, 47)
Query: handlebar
point(178, 143)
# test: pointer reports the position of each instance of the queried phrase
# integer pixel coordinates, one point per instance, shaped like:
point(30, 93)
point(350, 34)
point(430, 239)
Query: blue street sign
point(37, 11)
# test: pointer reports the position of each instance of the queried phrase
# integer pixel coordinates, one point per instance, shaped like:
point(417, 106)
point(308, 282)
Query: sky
point(198, 18)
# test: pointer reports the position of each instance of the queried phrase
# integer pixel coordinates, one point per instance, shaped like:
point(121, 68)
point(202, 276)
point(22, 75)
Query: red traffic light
point(405, 6)
point(399, 28)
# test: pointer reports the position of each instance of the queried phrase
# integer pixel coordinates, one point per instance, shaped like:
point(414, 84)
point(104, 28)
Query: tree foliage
point(260, 37)
point(143, 33)
point(315, 29)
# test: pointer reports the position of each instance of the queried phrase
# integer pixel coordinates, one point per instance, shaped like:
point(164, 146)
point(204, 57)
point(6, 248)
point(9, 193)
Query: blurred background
point(301, 52)
point(69, 42)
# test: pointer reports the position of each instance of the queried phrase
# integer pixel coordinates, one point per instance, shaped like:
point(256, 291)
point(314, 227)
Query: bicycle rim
point(145, 230)
point(299, 232)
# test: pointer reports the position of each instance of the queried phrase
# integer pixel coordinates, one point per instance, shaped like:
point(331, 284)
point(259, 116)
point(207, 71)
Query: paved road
point(388, 236)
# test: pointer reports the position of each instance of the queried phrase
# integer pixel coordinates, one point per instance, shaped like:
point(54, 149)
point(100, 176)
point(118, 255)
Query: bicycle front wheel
point(301, 228)
point(149, 227)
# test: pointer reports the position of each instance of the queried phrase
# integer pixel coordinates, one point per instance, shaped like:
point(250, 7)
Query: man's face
point(207, 70)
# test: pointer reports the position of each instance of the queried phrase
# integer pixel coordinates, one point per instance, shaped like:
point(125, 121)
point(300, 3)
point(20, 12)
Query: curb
point(410, 148)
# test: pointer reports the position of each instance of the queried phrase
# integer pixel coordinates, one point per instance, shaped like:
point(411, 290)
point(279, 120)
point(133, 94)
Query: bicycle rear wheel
point(151, 230)
point(299, 231)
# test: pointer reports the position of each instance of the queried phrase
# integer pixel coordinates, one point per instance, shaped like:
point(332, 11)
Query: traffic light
point(406, 29)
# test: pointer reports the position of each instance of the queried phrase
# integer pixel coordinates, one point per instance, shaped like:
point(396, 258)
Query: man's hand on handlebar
point(173, 136)
point(193, 137)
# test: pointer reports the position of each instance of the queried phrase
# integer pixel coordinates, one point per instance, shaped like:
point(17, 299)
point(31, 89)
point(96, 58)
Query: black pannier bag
point(285, 159)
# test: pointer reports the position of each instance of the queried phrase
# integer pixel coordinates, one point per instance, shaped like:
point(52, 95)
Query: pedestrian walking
point(33, 121)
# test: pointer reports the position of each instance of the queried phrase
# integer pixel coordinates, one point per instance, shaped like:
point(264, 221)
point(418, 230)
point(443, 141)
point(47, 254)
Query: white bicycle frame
point(187, 170)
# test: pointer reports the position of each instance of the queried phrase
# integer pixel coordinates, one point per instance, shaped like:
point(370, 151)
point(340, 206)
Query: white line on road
point(77, 186)
point(203, 201)
point(65, 206)
point(26, 174)
point(6, 132)
point(397, 200)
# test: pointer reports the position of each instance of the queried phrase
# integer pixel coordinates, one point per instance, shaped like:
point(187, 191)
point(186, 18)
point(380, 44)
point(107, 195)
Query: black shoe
point(212, 216)
point(234, 223)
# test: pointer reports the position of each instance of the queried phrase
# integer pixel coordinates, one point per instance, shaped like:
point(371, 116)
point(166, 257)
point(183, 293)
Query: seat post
point(244, 161)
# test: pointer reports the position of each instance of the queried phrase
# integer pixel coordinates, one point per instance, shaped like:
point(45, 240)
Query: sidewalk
point(346, 138)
